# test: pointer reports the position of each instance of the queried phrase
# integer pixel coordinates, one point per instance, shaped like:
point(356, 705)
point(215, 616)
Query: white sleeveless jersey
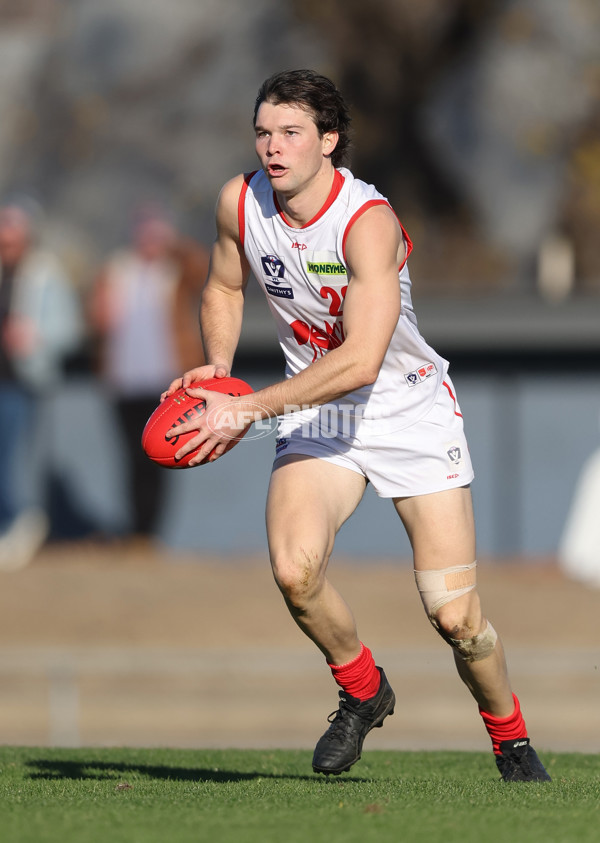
point(304, 275)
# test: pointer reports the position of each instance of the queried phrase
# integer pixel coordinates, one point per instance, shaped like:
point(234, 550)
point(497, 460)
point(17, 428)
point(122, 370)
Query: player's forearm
point(221, 324)
point(339, 372)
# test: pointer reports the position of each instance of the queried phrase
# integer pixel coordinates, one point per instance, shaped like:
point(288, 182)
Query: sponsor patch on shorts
point(421, 374)
point(281, 445)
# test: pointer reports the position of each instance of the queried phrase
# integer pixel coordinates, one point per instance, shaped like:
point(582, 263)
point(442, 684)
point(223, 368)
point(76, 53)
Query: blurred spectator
point(144, 310)
point(40, 324)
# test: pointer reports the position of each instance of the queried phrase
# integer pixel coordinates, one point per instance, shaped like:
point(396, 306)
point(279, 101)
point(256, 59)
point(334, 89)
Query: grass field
point(222, 796)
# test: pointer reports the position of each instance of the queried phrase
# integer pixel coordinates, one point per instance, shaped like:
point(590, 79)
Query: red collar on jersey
point(338, 182)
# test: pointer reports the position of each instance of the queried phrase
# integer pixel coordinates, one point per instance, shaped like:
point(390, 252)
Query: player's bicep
point(374, 251)
point(228, 268)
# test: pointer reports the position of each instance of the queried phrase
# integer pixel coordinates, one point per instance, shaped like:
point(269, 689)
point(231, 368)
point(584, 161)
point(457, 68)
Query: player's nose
point(272, 146)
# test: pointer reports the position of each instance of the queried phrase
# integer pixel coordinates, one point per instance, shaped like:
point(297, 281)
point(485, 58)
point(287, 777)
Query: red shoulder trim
point(371, 203)
point(242, 198)
point(409, 245)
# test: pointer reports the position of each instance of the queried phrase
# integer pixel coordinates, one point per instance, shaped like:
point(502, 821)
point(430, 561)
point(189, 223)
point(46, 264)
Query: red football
point(177, 409)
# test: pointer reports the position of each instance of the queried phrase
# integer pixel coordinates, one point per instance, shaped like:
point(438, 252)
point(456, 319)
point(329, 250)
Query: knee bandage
point(477, 648)
point(440, 587)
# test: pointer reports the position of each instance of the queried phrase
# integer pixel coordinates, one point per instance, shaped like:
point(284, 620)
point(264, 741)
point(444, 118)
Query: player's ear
point(330, 140)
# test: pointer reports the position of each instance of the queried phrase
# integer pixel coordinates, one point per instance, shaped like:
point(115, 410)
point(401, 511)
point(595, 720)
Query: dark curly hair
point(316, 94)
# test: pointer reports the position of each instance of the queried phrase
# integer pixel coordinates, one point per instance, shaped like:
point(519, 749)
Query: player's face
point(289, 147)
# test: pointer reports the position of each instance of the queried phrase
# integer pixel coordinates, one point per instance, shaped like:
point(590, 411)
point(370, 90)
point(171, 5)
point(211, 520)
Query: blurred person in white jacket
point(40, 324)
point(143, 311)
point(579, 548)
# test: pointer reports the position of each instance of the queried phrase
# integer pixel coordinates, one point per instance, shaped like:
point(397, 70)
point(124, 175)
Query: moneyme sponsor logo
point(326, 268)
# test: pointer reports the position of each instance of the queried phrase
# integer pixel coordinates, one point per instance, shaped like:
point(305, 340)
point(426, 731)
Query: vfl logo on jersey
point(421, 374)
point(274, 274)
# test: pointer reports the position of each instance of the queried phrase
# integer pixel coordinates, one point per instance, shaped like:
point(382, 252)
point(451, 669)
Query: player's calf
point(456, 621)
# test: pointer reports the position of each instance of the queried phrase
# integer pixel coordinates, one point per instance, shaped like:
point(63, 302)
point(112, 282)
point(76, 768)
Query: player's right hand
point(201, 373)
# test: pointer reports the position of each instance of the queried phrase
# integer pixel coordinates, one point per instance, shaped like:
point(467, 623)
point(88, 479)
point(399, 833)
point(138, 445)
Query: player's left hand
point(224, 421)
point(200, 373)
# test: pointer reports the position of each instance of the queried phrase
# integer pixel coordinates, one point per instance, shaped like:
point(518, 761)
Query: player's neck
point(304, 205)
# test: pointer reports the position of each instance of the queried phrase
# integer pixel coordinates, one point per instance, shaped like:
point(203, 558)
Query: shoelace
point(341, 724)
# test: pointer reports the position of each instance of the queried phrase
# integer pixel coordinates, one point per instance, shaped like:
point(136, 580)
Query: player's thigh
point(309, 499)
point(440, 527)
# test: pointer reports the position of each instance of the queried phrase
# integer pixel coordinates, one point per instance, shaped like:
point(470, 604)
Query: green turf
point(171, 796)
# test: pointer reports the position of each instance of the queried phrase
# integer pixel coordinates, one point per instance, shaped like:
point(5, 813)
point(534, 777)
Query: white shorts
point(429, 456)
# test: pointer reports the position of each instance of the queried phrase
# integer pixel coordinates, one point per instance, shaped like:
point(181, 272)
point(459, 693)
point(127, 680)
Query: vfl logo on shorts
point(421, 374)
point(455, 455)
point(274, 274)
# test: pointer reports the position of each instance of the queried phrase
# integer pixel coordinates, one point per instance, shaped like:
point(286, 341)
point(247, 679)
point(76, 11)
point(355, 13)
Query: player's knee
point(453, 608)
point(470, 635)
point(468, 646)
point(456, 620)
point(297, 580)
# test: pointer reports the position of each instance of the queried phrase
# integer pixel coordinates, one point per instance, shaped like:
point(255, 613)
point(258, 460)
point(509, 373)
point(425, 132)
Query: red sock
point(505, 728)
point(360, 677)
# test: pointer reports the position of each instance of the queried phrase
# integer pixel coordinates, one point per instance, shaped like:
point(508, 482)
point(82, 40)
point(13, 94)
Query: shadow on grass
point(54, 770)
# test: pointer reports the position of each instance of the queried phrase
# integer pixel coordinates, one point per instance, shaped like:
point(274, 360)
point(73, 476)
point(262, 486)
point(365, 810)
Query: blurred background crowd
point(119, 123)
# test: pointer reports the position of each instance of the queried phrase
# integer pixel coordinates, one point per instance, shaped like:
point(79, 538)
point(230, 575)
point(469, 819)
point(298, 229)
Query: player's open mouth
point(275, 170)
